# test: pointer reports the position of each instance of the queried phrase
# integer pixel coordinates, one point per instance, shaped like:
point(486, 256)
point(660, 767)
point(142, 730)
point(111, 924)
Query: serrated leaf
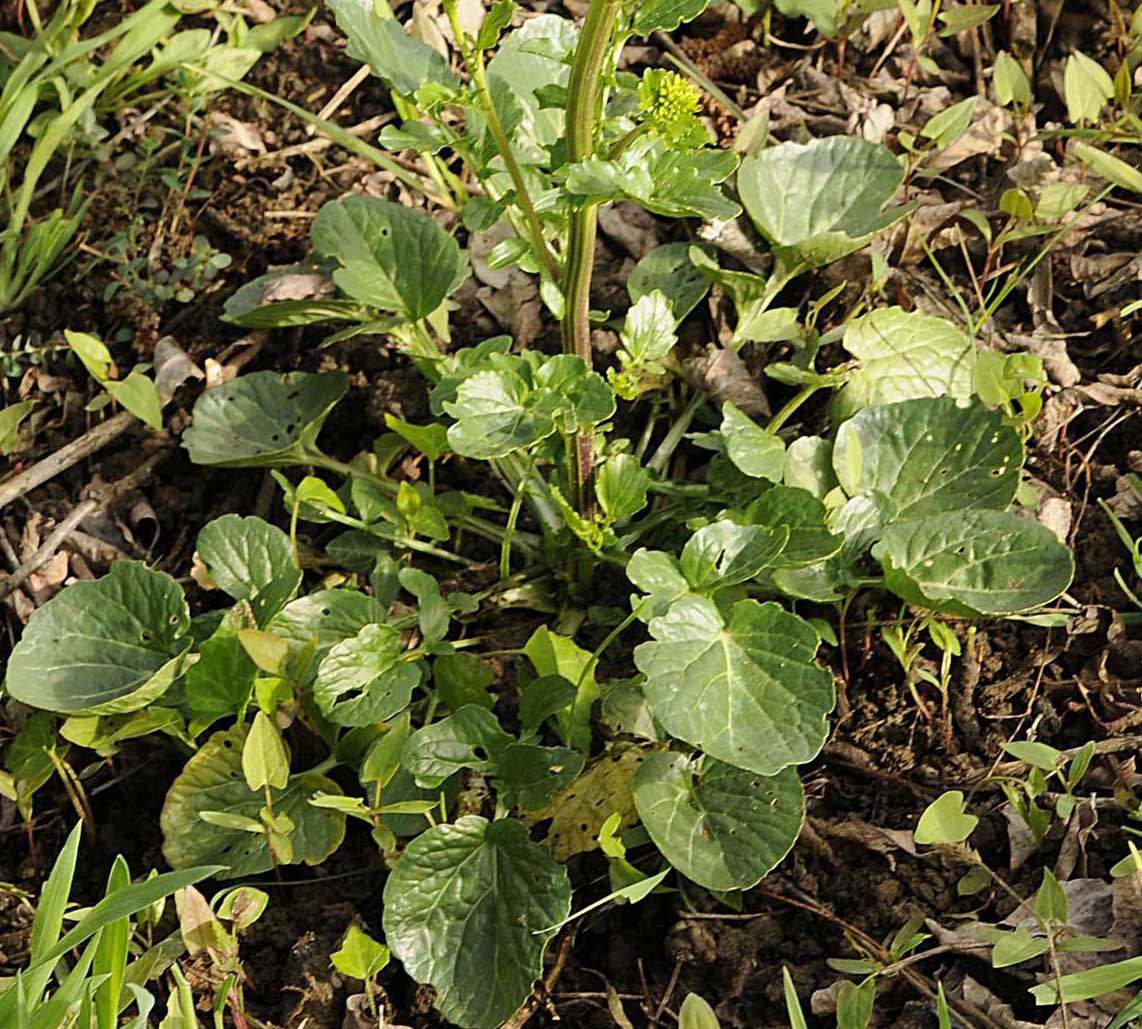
point(382, 43)
point(668, 270)
point(496, 415)
point(945, 821)
point(746, 691)
point(108, 646)
point(212, 781)
point(974, 563)
point(364, 679)
point(666, 15)
point(753, 450)
point(263, 419)
point(649, 328)
point(470, 737)
point(471, 896)
point(818, 201)
point(903, 355)
point(391, 256)
point(924, 457)
point(721, 827)
point(249, 559)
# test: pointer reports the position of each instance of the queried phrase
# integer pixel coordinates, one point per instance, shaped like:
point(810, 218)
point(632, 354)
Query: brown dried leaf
point(724, 375)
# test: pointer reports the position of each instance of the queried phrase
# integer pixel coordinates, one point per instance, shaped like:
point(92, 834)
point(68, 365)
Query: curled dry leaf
point(724, 375)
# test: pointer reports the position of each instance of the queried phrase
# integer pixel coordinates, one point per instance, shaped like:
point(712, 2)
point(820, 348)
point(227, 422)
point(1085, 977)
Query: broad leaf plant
point(687, 757)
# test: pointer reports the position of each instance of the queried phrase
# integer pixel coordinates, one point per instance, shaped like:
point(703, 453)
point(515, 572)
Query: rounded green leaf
point(249, 559)
point(495, 415)
point(262, 419)
point(902, 355)
point(363, 679)
point(924, 457)
point(974, 563)
point(797, 510)
point(945, 821)
point(820, 200)
point(469, 909)
point(669, 270)
point(104, 647)
point(470, 737)
point(326, 617)
point(392, 257)
point(724, 553)
point(212, 780)
point(721, 827)
point(746, 691)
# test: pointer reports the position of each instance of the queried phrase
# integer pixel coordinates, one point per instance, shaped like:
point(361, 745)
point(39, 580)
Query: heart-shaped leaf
point(924, 457)
point(468, 738)
point(212, 780)
point(469, 899)
point(403, 62)
point(108, 646)
point(249, 559)
point(263, 419)
point(974, 563)
point(391, 256)
point(721, 827)
point(753, 450)
point(803, 515)
point(945, 821)
point(817, 201)
point(364, 679)
point(902, 355)
point(746, 691)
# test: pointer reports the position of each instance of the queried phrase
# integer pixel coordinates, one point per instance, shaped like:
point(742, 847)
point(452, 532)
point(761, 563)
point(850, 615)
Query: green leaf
point(92, 352)
point(649, 334)
point(695, 1013)
point(944, 820)
point(666, 15)
point(1010, 81)
point(431, 440)
point(1038, 755)
point(1130, 1014)
point(468, 738)
point(364, 679)
point(10, 419)
point(621, 486)
point(818, 201)
point(1051, 900)
point(1087, 87)
point(108, 646)
point(553, 654)
point(721, 827)
point(468, 897)
point(392, 257)
point(960, 19)
point(264, 758)
point(668, 270)
point(263, 419)
point(495, 21)
point(974, 563)
point(496, 415)
point(529, 775)
point(359, 956)
point(326, 617)
point(312, 490)
point(952, 122)
point(724, 553)
point(803, 515)
point(792, 1002)
point(753, 450)
point(212, 780)
point(855, 1003)
point(462, 679)
point(1111, 168)
point(249, 559)
point(403, 62)
point(1092, 982)
point(1016, 947)
point(138, 395)
point(746, 691)
point(928, 456)
point(902, 355)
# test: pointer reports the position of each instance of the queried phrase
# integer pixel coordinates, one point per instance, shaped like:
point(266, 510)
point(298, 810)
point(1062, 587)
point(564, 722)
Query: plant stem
point(584, 98)
point(671, 440)
point(786, 412)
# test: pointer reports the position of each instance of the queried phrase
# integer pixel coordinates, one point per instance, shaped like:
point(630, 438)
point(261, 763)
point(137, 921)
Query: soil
point(854, 880)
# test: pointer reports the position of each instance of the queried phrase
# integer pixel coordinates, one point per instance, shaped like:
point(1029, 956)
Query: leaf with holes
point(263, 419)
point(721, 827)
point(745, 690)
point(249, 559)
point(365, 679)
point(470, 737)
point(974, 563)
point(212, 780)
point(816, 202)
point(468, 899)
point(325, 618)
point(108, 646)
point(904, 354)
point(529, 775)
point(724, 553)
point(929, 456)
point(391, 256)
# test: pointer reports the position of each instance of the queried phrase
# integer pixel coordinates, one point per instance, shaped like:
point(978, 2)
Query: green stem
point(584, 99)
point(671, 440)
point(786, 412)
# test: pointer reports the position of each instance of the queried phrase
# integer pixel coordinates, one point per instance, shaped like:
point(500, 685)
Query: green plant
point(386, 674)
point(103, 982)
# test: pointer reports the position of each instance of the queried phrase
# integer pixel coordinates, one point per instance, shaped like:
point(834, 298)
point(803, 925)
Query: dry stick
point(532, 1004)
point(341, 95)
point(100, 497)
